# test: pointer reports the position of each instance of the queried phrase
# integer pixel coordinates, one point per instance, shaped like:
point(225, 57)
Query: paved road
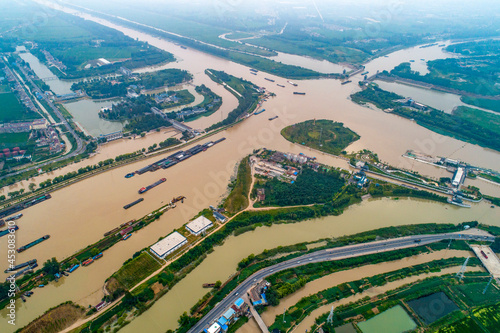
point(80, 147)
point(329, 255)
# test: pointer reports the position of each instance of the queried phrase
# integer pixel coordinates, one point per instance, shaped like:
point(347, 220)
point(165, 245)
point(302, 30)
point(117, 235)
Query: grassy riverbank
point(466, 124)
point(237, 199)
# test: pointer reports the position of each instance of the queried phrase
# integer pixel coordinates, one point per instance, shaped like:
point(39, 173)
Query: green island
point(247, 93)
point(118, 87)
point(471, 125)
point(324, 135)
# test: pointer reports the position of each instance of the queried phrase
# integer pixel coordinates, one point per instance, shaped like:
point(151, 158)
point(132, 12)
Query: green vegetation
point(491, 104)
point(12, 110)
point(13, 139)
point(237, 200)
point(245, 91)
point(307, 304)
point(474, 75)
point(211, 103)
point(481, 119)
point(467, 125)
point(55, 319)
point(79, 43)
point(136, 270)
point(324, 135)
point(311, 187)
point(115, 87)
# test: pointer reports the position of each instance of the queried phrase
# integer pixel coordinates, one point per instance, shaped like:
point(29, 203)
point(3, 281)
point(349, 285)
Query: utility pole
point(489, 282)
point(460, 273)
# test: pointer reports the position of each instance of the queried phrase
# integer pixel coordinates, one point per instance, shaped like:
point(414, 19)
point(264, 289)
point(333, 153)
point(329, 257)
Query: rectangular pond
point(394, 320)
point(432, 307)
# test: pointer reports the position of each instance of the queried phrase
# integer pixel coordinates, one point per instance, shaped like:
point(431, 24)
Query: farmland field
point(12, 110)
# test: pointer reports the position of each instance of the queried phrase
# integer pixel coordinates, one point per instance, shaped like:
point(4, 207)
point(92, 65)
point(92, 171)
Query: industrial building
point(220, 217)
point(457, 179)
point(199, 225)
point(168, 245)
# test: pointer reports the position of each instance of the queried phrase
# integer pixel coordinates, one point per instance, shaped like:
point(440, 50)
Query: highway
point(333, 254)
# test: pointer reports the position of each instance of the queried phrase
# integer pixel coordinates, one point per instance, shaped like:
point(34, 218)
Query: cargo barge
point(298, 93)
point(73, 268)
point(27, 246)
point(259, 112)
point(24, 264)
point(280, 85)
point(13, 218)
point(270, 80)
point(253, 70)
point(147, 188)
point(293, 84)
point(175, 158)
point(87, 262)
point(127, 236)
point(97, 256)
point(346, 82)
point(133, 203)
point(8, 230)
point(272, 118)
point(16, 208)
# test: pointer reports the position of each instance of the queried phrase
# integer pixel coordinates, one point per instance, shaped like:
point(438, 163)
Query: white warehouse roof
point(168, 244)
point(199, 224)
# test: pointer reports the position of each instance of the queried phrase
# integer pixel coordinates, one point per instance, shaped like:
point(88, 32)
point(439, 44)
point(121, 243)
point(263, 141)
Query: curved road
point(329, 255)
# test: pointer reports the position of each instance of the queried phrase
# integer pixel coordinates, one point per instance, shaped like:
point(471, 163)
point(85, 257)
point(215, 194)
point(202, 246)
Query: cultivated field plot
point(433, 307)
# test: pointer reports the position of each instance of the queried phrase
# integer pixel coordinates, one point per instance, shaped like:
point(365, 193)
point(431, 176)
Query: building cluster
point(257, 293)
point(111, 136)
point(166, 98)
point(409, 102)
point(360, 179)
point(53, 61)
point(175, 240)
point(238, 309)
point(15, 153)
point(48, 140)
point(274, 170)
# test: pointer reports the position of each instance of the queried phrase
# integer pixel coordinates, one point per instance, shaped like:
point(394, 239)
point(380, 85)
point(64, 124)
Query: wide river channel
point(78, 215)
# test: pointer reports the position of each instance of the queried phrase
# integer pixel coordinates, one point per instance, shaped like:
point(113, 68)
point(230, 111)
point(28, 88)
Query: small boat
point(127, 236)
point(130, 175)
point(280, 85)
point(272, 118)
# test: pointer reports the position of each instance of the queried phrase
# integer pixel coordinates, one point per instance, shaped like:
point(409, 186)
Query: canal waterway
point(78, 215)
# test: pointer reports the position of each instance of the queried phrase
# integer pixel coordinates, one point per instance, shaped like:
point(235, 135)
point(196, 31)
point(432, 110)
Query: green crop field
point(12, 110)
point(136, 270)
point(472, 294)
point(12, 139)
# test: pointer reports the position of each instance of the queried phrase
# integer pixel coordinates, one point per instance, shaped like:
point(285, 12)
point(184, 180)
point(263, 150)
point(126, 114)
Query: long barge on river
point(24, 264)
point(133, 203)
point(177, 157)
point(35, 242)
point(8, 230)
point(23, 205)
point(147, 188)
